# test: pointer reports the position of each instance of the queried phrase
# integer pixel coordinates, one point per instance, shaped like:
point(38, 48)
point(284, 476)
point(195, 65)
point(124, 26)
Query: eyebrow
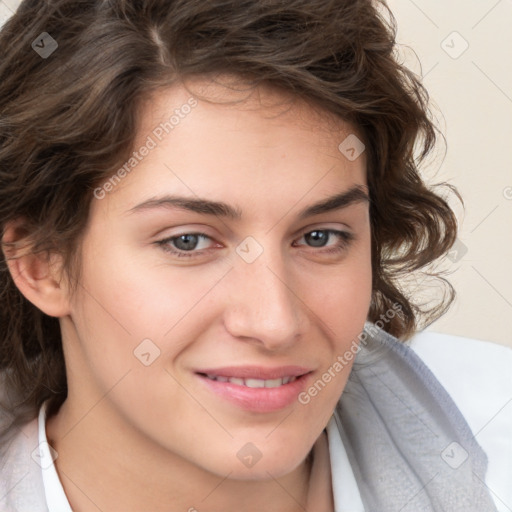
point(356, 194)
point(339, 201)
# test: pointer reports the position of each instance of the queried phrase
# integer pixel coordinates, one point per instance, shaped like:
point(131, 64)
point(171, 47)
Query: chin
point(250, 464)
point(261, 471)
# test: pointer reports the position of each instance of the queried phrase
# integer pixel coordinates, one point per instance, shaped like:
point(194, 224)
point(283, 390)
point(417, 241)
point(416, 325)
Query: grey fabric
point(21, 482)
point(410, 448)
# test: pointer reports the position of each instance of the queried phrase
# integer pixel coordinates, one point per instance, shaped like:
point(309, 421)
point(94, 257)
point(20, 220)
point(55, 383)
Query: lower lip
point(258, 399)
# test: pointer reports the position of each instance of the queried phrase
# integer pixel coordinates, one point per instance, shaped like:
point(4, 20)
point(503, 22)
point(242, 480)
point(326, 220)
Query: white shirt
point(56, 499)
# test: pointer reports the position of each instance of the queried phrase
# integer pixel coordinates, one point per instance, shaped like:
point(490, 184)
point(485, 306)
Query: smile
point(256, 390)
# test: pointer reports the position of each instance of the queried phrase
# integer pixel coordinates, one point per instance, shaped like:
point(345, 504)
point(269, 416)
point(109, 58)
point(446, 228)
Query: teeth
point(274, 383)
point(254, 383)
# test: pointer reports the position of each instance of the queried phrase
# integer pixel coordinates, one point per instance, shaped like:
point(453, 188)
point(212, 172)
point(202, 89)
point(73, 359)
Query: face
point(235, 276)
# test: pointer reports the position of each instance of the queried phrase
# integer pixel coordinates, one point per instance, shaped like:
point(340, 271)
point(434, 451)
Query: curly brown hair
point(69, 118)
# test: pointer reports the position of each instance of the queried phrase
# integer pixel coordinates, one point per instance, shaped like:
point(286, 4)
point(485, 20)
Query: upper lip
point(256, 372)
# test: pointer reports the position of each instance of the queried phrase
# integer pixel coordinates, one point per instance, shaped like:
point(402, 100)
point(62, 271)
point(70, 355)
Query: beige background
point(473, 94)
point(463, 50)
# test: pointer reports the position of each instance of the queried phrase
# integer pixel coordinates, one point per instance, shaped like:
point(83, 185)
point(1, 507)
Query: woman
point(206, 208)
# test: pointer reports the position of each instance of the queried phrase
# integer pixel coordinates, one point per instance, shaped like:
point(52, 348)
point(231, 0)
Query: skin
point(134, 437)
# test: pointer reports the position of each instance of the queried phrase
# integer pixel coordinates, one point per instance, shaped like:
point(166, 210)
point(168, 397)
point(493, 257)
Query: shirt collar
point(56, 499)
point(344, 486)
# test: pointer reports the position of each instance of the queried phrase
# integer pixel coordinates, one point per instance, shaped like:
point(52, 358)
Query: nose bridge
point(262, 303)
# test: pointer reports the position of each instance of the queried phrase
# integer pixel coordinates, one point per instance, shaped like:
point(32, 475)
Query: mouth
point(252, 383)
point(249, 390)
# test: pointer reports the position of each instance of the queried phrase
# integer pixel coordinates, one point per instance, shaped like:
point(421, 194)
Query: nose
point(262, 305)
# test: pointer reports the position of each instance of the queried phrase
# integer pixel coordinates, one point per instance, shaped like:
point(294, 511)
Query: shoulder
point(21, 485)
point(418, 433)
point(478, 377)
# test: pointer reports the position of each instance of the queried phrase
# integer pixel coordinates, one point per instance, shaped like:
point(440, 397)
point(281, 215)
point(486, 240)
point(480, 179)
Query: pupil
point(318, 238)
point(186, 241)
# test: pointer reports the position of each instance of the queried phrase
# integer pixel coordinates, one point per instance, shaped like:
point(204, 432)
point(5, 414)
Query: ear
point(38, 276)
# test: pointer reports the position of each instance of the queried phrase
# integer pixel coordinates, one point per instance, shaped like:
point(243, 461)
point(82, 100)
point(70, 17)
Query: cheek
point(128, 307)
point(341, 295)
point(143, 297)
point(341, 300)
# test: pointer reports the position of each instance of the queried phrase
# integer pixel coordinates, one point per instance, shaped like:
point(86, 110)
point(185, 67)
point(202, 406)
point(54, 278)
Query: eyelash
point(346, 239)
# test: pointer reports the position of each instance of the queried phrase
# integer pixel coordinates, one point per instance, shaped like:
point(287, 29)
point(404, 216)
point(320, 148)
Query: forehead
point(235, 107)
point(209, 139)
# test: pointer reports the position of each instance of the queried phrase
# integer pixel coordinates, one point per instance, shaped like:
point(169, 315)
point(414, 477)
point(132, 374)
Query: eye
point(322, 237)
point(185, 245)
point(189, 245)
